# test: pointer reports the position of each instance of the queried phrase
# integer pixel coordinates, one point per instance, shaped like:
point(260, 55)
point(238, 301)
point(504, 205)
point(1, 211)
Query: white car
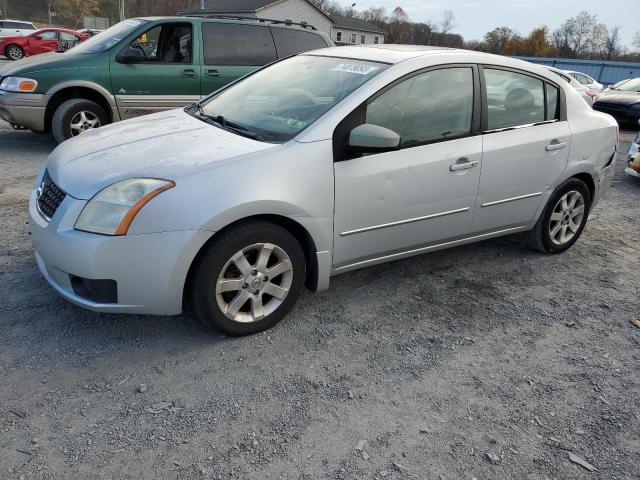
point(588, 95)
point(586, 80)
point(316, 165)
point(15, 27)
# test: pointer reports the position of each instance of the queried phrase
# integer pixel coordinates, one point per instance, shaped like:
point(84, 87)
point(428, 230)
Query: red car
point(40, 41)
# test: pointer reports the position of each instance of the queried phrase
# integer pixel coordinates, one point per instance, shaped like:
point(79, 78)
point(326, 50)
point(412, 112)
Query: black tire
point(211, 264)
point(65, 113)
point(14, 52)
point(539, 238)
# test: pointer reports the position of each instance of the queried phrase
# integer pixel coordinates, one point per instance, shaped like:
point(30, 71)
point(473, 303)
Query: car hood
point(46, 62)
point(163, 145)
point(618, 97)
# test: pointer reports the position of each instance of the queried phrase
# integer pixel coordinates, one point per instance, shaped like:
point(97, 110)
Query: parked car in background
point(319, 164)
point(40, 41)
point(585, 92)
point(15, 27)
point(142, 66)
point(91, 32)
point(633, 160)
point(623, 102)
point(613, 86)
point(586, 80)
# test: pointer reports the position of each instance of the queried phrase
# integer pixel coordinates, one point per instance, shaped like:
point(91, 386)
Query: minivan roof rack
point(255, 19)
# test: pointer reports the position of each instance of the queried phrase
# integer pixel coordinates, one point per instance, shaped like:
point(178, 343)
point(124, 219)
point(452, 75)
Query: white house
point(341, 30)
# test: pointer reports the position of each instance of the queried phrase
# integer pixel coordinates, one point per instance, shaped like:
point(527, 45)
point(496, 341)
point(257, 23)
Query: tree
point(636, 42)
point(73, 11)
point(399, 26)
point(329, 6)
point(575, 37)
point(497, 39)
point(446, 25)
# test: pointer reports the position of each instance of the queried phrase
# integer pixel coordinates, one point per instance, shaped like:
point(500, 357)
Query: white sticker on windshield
point(354, 68)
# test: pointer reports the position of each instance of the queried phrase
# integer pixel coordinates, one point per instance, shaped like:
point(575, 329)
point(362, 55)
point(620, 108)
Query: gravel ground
point(487, 361)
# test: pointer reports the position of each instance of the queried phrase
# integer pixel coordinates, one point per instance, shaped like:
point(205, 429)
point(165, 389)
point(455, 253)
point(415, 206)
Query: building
point(341, 30)
point(350, 31)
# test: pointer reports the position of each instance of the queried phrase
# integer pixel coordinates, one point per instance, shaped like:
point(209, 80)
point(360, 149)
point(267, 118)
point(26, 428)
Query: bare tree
point(329, 6)
point(447, 24)
point(497, 39)
point(636, 42)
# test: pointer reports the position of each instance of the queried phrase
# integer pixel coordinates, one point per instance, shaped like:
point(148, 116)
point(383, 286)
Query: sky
point(476, 17)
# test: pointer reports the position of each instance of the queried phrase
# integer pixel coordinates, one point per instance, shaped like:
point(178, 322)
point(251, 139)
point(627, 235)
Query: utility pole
point(121, 9)
point(201, 4)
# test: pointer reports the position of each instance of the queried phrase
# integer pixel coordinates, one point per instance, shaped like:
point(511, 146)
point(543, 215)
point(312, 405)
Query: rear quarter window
point(237, 44)
point(290, 42)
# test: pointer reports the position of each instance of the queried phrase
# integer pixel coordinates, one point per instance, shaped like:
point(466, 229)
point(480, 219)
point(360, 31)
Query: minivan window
point(237, 44)
point(289, 41)
point(279, 102)
point(431, 106)
point(167, 43)
point(103, 41)
point(513, 99)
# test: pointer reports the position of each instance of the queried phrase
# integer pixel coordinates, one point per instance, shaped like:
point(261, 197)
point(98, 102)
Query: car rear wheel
point(75, 116)
point(248, 279)
point(14, 52)
point(563, 219)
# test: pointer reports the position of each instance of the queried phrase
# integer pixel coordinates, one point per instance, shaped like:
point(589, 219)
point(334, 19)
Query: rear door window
point(49, 35)
point(237, 44)
point(513, 99)
point(290, 42)
point(168, 43)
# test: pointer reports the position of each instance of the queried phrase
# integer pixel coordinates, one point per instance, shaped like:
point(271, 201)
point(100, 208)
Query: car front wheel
point(563, 218)
point(14, 52)
point(75, 116)
point(248, 279)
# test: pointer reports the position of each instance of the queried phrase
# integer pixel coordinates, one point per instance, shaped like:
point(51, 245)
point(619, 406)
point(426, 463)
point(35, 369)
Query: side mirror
point(130, 55)
point(370, 138)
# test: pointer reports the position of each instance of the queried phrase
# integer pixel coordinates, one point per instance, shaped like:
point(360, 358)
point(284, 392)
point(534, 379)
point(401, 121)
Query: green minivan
point(141, 66)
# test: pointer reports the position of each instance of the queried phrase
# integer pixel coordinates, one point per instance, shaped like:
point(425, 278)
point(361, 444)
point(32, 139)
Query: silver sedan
point(319, 164)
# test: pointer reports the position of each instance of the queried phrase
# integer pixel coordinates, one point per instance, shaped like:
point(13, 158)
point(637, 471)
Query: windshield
point(632, 85)
point(279, 102)
point(103, 41)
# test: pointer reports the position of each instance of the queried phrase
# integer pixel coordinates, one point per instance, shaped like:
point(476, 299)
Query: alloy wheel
point(83, 120)
point(566, 217)
point(15, 53)
point(254, 282)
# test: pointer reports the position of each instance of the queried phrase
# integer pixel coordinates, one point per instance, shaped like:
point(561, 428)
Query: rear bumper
point(24, 109)
point(150, 270)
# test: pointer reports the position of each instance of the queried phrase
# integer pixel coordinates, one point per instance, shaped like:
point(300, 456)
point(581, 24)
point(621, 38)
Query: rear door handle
point(555, 145)
point(463, 164)
point(213, 73)
point(189, 73)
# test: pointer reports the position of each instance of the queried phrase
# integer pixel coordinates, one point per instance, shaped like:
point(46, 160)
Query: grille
point(49, 196)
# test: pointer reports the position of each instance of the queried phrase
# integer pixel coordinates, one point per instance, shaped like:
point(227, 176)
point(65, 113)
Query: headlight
point(111, 211)
point(18, 84)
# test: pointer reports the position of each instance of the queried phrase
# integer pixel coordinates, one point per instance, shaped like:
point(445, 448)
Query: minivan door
point(525, 148)
point(391, 204)
point(164, 75)
point(231, 50)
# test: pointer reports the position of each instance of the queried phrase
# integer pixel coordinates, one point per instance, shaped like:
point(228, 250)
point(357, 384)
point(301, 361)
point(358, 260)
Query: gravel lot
point(487, 361)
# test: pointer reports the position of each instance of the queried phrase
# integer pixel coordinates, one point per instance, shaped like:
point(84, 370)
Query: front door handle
point(213, 73)
point(189, 73)
point(463, 164)
point(555, 145)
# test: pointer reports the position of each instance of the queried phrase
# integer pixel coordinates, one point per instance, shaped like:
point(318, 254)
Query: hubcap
point(254, 282)
point(15, 53)
point(566, 217)
point(82, 121)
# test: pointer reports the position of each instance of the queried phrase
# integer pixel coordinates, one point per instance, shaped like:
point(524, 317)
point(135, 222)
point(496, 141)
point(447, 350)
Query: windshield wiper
point(228, 125)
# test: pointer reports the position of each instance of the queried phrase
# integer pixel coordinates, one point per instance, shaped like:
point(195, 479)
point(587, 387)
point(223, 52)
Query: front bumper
point(24, 109)
point(150, 269)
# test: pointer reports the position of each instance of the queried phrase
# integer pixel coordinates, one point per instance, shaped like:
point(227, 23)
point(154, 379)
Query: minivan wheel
point(14, 52)
point(563, 219)
point(248, 279)
point(75, 116)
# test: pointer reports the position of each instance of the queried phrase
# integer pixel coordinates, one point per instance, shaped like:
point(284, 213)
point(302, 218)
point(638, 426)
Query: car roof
point(392, 54)
point(232, 19)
